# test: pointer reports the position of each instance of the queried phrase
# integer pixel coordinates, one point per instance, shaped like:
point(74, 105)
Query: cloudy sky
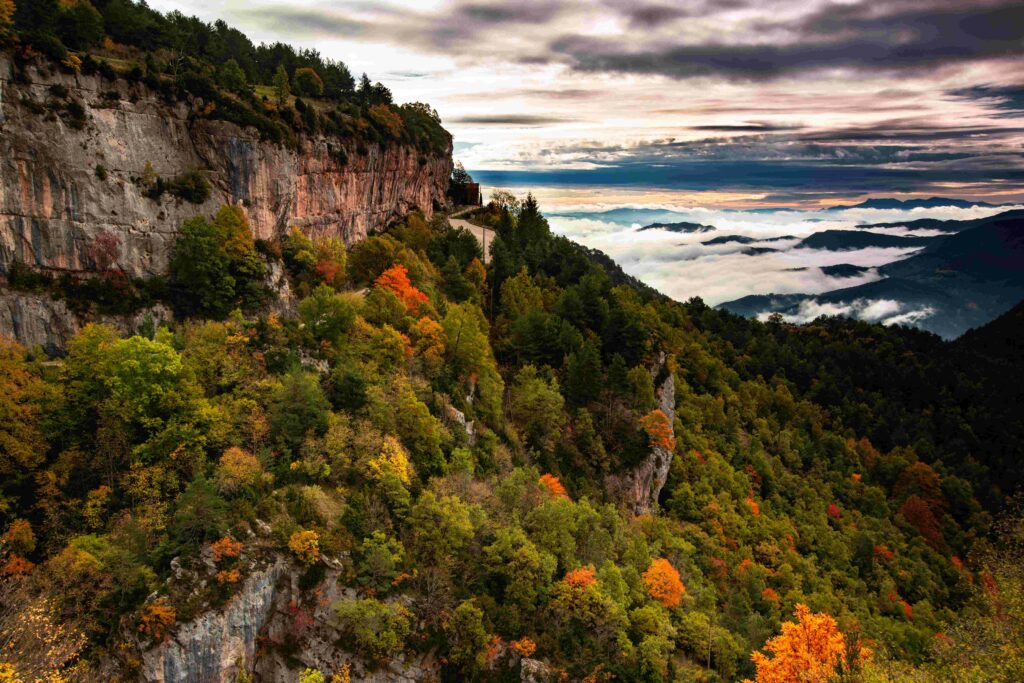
point(713, 102)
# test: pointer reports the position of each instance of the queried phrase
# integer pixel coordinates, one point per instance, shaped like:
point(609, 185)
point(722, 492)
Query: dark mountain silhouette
point(844, 240)
point(930, 203)
point(955, 283)
point(682, 226)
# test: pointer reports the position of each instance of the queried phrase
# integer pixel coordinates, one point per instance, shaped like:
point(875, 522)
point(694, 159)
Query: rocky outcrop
point(61, 187)
point(640, 487)
point(212, 648)
point(40, 320)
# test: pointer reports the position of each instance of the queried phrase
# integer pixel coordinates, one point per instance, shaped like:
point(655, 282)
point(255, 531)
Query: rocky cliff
point(640, 487)
point(65, 180)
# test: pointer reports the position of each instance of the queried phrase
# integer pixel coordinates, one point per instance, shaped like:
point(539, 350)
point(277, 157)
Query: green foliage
point(326, 315)
point(378, 629)
point(467, 637)
point(297, 409)
point(215, 266)
point(282, 86)
point(308, 83)
point(232, 77)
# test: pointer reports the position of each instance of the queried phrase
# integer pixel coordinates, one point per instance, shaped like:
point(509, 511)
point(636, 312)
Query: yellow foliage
point(807, 651)
point(306, 546)
point(524, 646)
point(392, 459)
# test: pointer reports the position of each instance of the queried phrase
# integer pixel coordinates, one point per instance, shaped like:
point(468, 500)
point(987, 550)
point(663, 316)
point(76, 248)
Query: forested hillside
point(419, 465)
point(448, 434)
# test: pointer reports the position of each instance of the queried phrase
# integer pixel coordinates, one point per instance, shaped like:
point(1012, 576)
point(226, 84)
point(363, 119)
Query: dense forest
point(452, 429)
point(468, 441)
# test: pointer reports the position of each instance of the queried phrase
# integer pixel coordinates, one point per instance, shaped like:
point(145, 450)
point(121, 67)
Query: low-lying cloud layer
point(681, 265)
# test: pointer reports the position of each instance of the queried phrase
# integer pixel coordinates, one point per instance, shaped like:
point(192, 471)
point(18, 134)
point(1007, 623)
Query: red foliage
point(396, 279)
point(755, 509)
point(770, 595)
point(908, 611)
point(918, 514)
point(834, 512)
point(882, 552)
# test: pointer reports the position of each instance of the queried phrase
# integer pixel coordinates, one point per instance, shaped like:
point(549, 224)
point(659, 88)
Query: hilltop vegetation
point(278, 90)
point(449, 428)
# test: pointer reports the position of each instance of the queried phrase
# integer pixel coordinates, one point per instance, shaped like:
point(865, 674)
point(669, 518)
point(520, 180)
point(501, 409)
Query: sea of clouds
point(679, 265)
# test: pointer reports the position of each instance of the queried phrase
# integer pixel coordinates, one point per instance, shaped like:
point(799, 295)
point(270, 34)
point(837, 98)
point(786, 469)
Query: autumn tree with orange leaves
point(807, 651)
point(663, 583)
point(659, 430)
point(396, 279)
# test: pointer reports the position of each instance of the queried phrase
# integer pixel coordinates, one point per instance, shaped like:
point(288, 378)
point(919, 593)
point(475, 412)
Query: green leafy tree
point(537, 407)
point(201, 514)
point(232, 77)
point(380, 561)
point(378, 629)
point(583, 376)
point(215, 266)
point(326, 315)
point(467, 637)
point(80, 25)
point(282, 86)
point(297, 408)
point(308, 83)
point(441, 528)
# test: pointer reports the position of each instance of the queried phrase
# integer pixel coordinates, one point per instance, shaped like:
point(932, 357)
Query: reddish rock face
point(54, 203)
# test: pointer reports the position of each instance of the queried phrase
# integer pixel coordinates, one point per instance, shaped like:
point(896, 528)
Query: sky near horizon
point(718, 102)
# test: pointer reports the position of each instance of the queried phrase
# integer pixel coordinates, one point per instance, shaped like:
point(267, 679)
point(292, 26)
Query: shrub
point(191, 186)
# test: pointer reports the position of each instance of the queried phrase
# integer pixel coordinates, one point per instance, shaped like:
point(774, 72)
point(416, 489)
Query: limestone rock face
point(61, 188)
point(640, 487)
point(211, 648)
point(53, 202)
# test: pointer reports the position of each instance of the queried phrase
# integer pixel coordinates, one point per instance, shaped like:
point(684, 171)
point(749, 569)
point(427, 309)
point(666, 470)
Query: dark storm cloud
point(1010, 99)
point(740, 128)
point(508, 120)
point(867, 37)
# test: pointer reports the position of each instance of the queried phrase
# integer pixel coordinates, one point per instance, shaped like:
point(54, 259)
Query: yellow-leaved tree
point(807, 651)
point(6, 17)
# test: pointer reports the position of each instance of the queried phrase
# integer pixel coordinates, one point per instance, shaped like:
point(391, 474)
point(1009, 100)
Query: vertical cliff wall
point(54, 201)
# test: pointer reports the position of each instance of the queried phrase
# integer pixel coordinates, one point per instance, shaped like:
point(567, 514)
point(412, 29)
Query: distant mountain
point(955, 283)
point(844, 240)
point(922, 224)
point(682, 226)
point(726, 239)
point(930, 203)
point(757, 251)
point(743, 239)
point(844, 270)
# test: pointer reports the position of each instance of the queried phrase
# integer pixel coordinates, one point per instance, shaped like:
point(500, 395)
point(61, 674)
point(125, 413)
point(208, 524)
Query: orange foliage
point(770, 595)
point(156, 619)
point(306, 546)
point(807, 651)
point(225, 547)
point(524, 646)
point(553, 485)
point(16, 565)
point(580, 578)
point(396, 279)
point(882, 552)
point(855, 477)
point(228, 576)
point(663, 583)
point(659, 430)
point(755, 509)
